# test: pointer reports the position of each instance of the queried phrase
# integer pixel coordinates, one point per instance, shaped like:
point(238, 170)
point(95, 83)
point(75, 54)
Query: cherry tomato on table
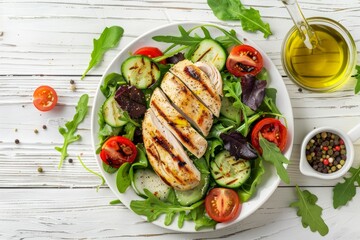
point(272, 130)
point(150, 52)
point(222, 204)
point(45, 98)
point(244, 59)
point(118, 150)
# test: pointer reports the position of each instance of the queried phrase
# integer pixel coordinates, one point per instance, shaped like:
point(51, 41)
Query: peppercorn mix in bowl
point(326, 153)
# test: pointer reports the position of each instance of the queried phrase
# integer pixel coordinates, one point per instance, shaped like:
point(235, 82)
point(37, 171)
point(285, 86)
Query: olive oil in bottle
point(321, 67)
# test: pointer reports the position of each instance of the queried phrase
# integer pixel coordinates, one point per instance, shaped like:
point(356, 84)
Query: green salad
point(190, 126)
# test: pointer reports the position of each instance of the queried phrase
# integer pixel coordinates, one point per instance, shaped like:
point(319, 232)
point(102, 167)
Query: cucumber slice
point(140, 71)
point(112, 113)
point(228, 171)
point(210, 51)
point(191, 196)
point(145, 178)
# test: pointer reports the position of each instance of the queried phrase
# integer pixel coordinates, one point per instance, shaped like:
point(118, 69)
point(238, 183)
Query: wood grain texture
point(49, 42)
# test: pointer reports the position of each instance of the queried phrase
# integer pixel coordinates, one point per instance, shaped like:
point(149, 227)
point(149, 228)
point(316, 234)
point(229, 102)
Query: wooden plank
point(54, 30)
point(83, 213)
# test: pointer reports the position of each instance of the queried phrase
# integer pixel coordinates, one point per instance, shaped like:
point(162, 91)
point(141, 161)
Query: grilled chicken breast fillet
point(177, 124)
point(166, 155)
point(187, 104)
point(199, 83)
point(214, 75)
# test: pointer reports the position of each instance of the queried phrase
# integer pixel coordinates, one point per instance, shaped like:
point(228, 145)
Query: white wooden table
point(49, 42)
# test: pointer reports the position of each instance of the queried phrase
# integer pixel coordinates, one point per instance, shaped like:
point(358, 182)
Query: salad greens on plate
point(228, 165)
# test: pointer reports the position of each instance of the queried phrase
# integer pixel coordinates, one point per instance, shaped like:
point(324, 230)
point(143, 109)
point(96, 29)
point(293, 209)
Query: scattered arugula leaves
point(309, 211)
point(234, 10)
point(93, 172)
point(345, 191)
point(71, 127)
point(109, 38)
point(357, 76)
point(271, 153)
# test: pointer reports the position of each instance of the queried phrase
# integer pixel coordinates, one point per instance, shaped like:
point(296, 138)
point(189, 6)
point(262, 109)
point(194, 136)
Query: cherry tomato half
point(244, 59)
point(150, 52)
point(45, 98)
point(272, 130)
point(222, 204)
point(118, 150)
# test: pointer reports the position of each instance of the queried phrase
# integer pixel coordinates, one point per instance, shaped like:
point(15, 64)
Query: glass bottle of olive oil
point(321, 67)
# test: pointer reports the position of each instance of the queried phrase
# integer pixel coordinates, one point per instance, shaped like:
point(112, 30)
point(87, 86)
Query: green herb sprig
point(109, 38)
point(71, 127)
point(234, 10)
point(345, 191)
point(309, 211)
point(272, 154)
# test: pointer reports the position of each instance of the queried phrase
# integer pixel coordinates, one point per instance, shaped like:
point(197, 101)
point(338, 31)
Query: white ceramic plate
point(270, 180)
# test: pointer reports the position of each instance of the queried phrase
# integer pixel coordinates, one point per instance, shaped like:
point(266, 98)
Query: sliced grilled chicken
point(166, 155)
point(187, 104)
point(199, 83)
point(177, 124)
point(214, 75)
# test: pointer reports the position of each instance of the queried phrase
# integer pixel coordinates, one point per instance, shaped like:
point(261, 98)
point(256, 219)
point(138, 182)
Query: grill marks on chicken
point(199, 83)
point(186, 102)
point(177, 124)
point(166, 155)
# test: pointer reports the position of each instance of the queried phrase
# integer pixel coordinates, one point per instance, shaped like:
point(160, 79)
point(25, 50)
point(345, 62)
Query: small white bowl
point(348, 138)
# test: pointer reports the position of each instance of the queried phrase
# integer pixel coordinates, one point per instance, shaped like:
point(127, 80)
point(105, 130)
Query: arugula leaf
point(229, 39)
point(71, 127)
point(153, 208)
point(95, 173)
point(129, 131)
point(249, 187)
point(218, 129)
point(271, 153)
point(309, 212)
point(233, 90)
point(199, 217)
point(185, 38)
point(111, 82)
point(109, 38)
point(141, 160)
point(114, 202)
point(270, 100)
point(357, 76)
point(344, 192)
point(109, 169)
point(234, 10)
point(123, 180)
point(189, 42)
